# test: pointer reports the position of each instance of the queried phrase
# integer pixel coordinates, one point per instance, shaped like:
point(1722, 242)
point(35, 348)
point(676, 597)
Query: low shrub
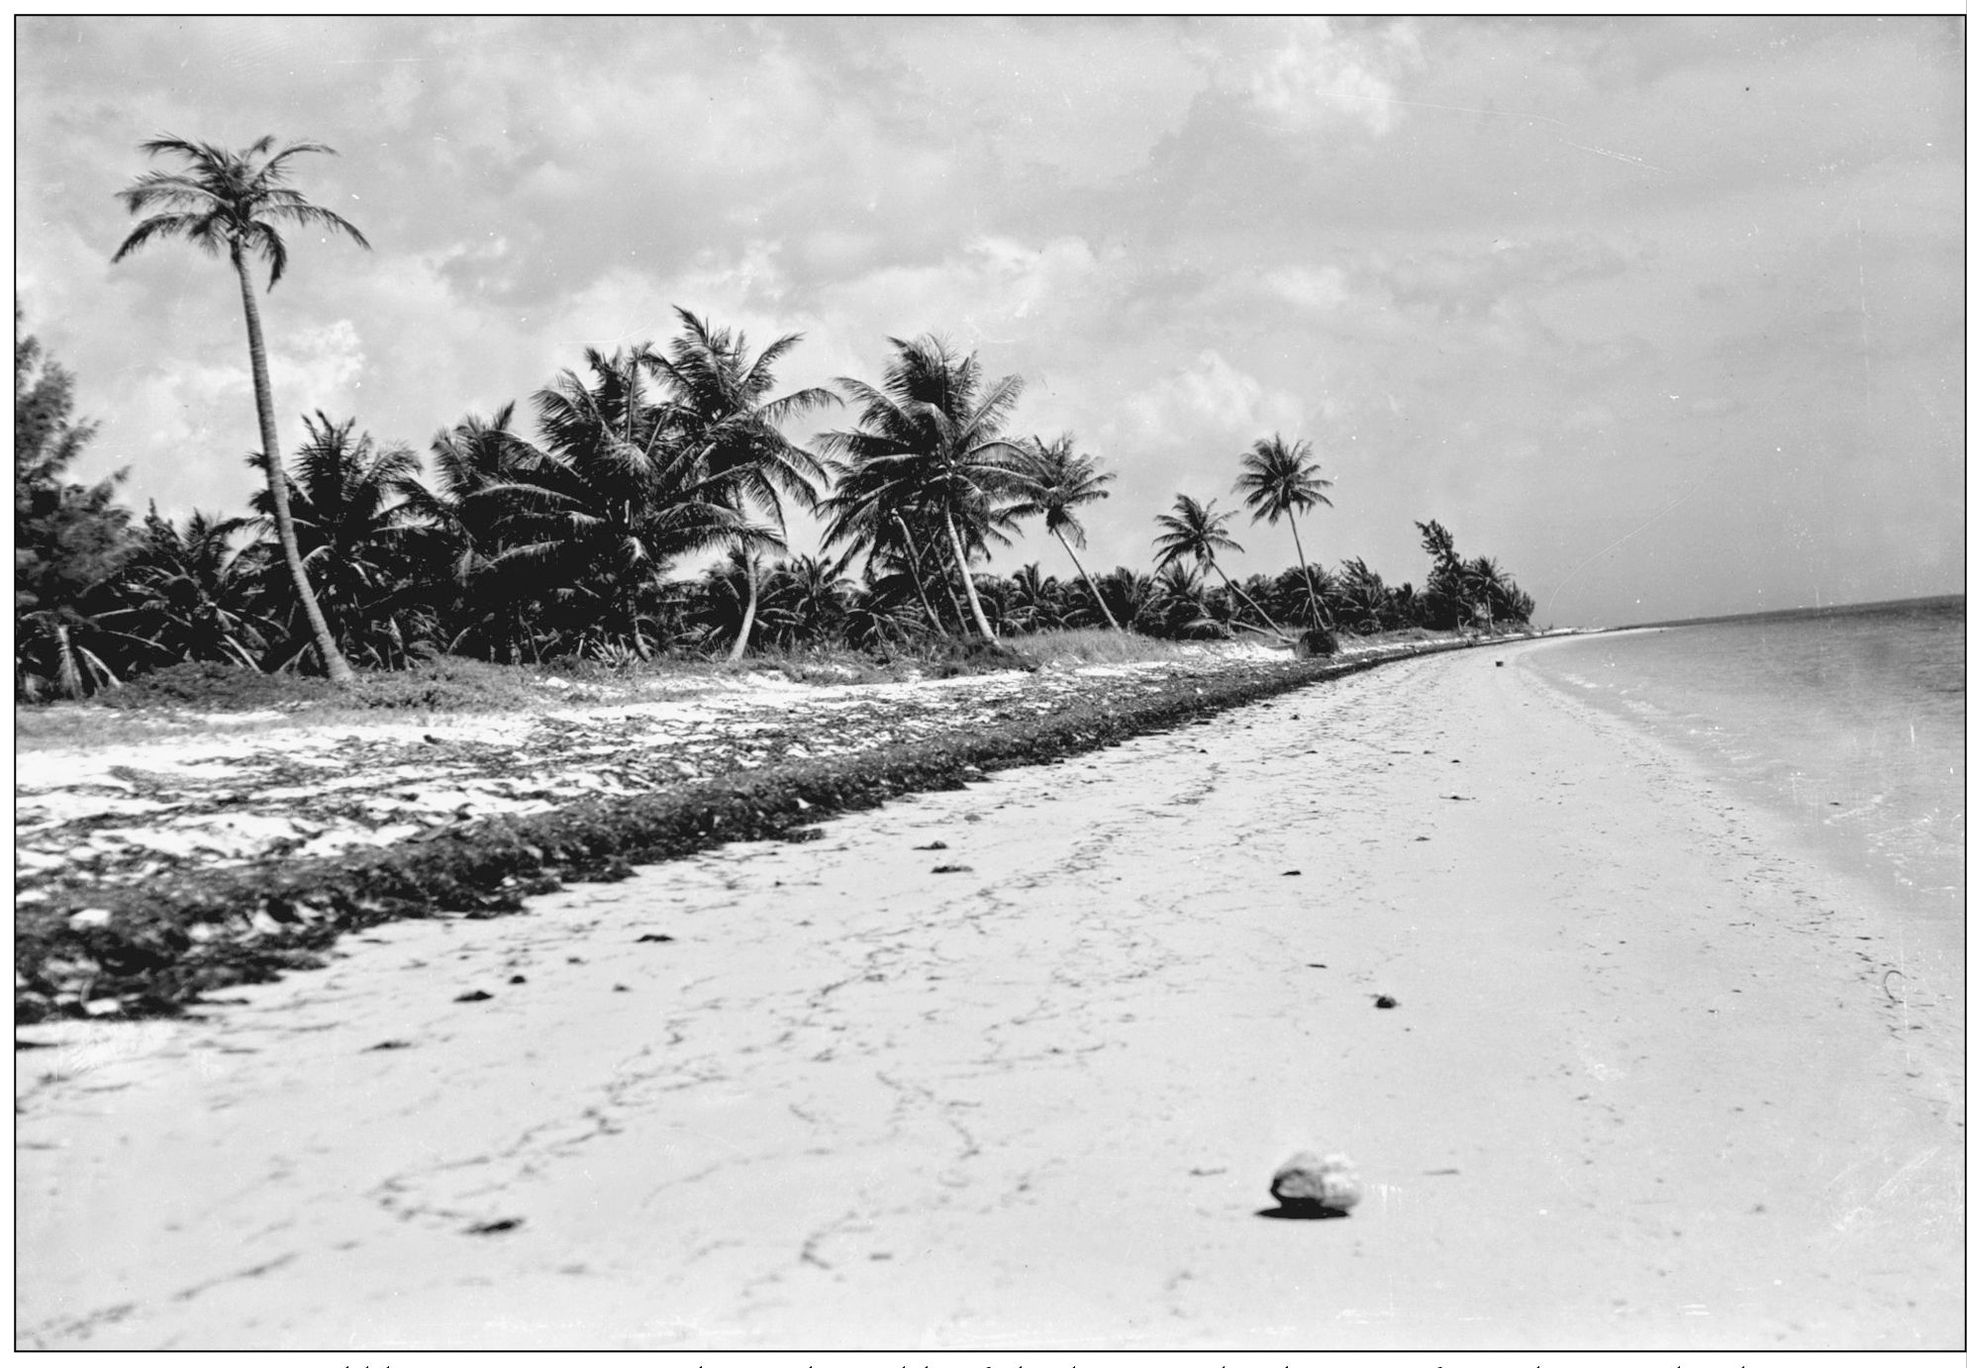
point(1317, 642)
point(974, 655)
point(212, 686)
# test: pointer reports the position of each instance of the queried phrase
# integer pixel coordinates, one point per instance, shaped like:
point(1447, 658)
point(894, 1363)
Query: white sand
point(1645, 1085)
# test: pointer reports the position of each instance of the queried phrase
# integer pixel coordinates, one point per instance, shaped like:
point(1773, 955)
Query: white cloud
point(1209, 405)
point(313, 368)
point(1316, 289)
point(1312, 75)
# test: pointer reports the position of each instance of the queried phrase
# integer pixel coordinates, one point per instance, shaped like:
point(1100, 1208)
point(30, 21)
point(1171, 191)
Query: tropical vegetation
point(642, 512)
point(233, 204)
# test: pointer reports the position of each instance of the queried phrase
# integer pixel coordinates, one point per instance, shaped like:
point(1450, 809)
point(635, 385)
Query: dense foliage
point(565, 541)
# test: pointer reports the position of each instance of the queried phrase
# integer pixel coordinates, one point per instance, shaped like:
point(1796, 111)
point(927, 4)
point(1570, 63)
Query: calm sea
point(1848, 719)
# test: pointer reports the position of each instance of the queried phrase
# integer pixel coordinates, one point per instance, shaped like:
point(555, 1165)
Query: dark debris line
point(149, 947)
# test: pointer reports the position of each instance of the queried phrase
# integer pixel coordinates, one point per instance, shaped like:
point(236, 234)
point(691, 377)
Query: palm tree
point(1303, 595)
point(1277, 481)
point(1054, 480)
point(929, 444)
point(354, 507)
point(1178, 603)
point(1130, 595)
point(818, 597)
point(473, 460)
point(864, 516)
point(1032, 600)
point(1197, 532)
point(232, 203)
point(193, 593)
point(717, 394)
point(1363, 599)
point(1491, 593)
point(468, 459)
point(597, 512)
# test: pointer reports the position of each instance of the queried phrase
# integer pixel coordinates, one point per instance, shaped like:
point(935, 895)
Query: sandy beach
point(1012, 1066)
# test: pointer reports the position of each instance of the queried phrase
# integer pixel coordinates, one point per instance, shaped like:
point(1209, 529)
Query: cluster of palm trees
point(565, 541)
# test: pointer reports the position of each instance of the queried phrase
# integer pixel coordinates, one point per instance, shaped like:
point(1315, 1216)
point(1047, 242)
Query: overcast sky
point(1665, 315)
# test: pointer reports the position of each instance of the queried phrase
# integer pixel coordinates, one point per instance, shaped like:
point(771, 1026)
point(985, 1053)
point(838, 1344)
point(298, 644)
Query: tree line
point(563, 537)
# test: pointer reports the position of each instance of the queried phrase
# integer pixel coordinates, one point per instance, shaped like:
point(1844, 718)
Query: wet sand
point(1649, 1081)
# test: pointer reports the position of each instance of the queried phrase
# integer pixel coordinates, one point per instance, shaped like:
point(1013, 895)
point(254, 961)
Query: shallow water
point(1848, 720)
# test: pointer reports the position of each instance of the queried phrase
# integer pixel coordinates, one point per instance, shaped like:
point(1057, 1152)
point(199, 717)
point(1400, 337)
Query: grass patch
point(1070, 646)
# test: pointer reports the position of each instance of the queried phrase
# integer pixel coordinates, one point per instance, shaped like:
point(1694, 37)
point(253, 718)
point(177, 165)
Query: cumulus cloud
point(319, 366)
point(1208, 403)
point(1314, 75)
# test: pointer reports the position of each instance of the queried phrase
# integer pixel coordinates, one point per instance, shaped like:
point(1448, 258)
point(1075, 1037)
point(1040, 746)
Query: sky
point(1663, 314)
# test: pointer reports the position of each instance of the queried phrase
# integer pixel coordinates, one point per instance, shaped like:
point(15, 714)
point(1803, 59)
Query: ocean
point(1849, 720)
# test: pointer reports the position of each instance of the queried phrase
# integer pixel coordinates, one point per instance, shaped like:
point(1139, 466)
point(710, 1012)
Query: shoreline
point(1802, 821)
point(1640, 1087)
point(1933, 945)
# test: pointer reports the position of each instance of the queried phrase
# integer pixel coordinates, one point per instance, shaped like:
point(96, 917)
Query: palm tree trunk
point(276, 483)
point(67, 672)
point(969, 585)
point(1317, 618)
point(632, 629)
point(1090, 585)
point(1234, 592)
point(750, 606)
point(949, 591)
point(914, 559)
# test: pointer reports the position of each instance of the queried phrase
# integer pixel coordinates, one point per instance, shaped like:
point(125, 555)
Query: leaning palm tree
point(717, 400)
point(1276, 482)
point(930, 444)
point(232, 203)
point(1196, 532)
point(1053, 479)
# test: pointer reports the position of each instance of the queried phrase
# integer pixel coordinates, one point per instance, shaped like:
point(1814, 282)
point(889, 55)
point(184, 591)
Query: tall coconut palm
point(717, 395)
point(1196, 532)
point(1277, 481)
point(233, 204)
point(1054, 480)
point(931, 442)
